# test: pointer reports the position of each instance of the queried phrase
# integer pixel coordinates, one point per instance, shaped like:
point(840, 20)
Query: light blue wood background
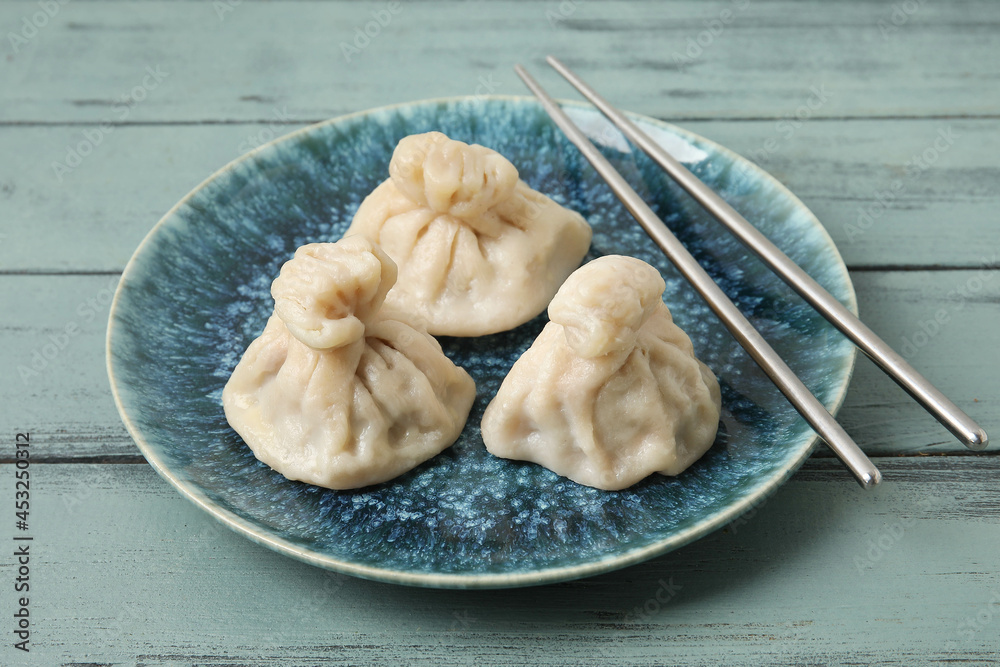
point(125, 571)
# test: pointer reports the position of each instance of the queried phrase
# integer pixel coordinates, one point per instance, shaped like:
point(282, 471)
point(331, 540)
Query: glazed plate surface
point(196, 293)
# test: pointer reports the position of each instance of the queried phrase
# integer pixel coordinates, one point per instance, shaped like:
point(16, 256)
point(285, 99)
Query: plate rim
point(474, 581)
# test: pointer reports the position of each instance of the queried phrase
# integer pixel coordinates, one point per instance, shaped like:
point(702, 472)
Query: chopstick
point(748, 337)
point(950, 415)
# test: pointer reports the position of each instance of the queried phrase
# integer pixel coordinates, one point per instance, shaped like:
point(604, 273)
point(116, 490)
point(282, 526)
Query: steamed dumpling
point(340, 391)
point(610, 391)
point(478, 250)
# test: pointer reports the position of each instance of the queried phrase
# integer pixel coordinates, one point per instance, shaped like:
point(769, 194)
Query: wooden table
point(883, 117)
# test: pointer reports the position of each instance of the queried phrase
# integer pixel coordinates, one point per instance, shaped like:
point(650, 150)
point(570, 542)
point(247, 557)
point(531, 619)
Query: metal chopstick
point(790, 385)
point(950, 415)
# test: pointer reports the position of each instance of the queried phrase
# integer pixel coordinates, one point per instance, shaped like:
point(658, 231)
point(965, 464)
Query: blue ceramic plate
point(195, 294)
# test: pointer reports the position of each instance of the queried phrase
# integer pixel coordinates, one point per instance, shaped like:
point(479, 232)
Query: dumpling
point(340, 391)
point(610, 391)
point(478, 250)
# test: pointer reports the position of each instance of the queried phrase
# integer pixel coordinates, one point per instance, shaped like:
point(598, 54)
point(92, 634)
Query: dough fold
point(478, 250)
point(610, 391)
point(339, 390)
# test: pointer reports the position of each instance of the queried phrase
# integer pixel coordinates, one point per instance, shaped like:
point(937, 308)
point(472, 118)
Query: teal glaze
point(196, 293)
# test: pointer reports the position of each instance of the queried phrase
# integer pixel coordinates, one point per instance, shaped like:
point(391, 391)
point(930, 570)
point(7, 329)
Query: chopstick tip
point(870, 478)
point(979, 441)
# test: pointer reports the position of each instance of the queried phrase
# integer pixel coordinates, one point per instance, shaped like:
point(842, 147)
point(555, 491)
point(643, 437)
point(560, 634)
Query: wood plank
point(932, 319)
point(56, 384)
point(126, 571)
point(96, 215)
point(93, 218)
point(891, 193)
point(244, 63)
point(69, 408)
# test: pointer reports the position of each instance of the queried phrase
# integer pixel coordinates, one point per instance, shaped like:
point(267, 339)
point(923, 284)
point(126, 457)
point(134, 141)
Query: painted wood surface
point(936, 212)
point(762, 60)
point(68, 401)
point(898, 116)
point(129, 572)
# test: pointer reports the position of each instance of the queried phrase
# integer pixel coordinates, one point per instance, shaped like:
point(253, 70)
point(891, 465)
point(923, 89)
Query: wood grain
point(68, 402)
point(243, 64)
point(887, 577)
point(95, 216)
point(835, 99)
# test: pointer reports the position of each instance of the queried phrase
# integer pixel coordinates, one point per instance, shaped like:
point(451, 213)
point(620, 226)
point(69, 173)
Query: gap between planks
point(313, 121)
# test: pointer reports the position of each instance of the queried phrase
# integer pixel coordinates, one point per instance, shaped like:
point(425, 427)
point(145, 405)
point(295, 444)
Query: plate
point(196, 293)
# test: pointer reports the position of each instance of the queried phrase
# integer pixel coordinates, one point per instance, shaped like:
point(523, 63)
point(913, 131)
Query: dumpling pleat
point(610, 391)
point(344, 410)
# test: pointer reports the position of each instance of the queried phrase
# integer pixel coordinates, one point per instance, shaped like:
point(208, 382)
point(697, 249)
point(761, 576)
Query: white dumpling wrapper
point(478, 250)
point(339, 391)
point(610, 391)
